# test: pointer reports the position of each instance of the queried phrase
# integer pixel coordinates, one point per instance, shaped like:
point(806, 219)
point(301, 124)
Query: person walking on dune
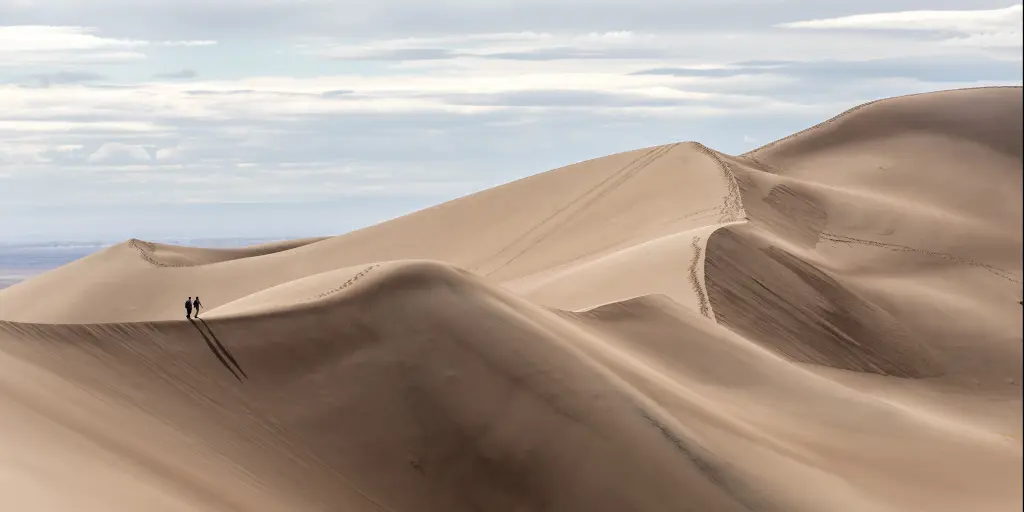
point(196, 304)
point(188, 307)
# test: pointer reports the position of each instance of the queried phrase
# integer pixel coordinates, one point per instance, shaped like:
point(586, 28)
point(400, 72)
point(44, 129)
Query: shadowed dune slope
point(422, 388)
point(887, 240)
point(392, 387)
point(830, 322)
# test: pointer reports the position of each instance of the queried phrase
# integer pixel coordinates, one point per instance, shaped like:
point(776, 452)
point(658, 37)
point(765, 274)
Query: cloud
point(994, 28)
point(274, 18)
point(236, 19)
point(570, 53)
point(20, 45)
point(568, 99)
point(117, 152)
point(336, 93)
point(821, 72)
point(722, 71)
point(285, 98)
point(11, 127)
point(677, 99)
point(697, 49)
point(343, 53)
point(965, 21)
point(1009, 40)
point(510, 45)
point(175, 75)
point(201, 42)
point(24, 153)
point(41, 38)
point(63, 78)
point(44, 44)
point(167, 154)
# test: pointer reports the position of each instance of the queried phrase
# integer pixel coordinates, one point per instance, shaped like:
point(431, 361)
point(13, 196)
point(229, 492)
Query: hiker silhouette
point(188, 306)
point(196, 305)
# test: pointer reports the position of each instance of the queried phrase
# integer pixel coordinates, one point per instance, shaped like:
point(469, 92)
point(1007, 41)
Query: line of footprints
point(346, 284)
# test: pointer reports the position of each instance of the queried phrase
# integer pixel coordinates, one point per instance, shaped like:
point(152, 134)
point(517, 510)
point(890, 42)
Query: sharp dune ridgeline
point(829, 322)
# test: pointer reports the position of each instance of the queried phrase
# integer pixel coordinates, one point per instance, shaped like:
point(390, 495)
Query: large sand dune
point(830, 322)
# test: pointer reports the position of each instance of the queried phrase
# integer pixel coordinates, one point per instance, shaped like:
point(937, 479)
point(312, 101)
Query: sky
point(264, 118)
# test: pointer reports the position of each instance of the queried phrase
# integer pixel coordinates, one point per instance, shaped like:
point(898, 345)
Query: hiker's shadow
point(217, 347)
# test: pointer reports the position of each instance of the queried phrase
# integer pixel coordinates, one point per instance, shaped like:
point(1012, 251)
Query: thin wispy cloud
point(965, 21)
point(994, 28)
point(43, 44)
point(204, 42)
point(182, 74)
point(59, 78)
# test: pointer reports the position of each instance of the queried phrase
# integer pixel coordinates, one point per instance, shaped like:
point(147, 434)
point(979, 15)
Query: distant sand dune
point(163, 255)
point(829, 322)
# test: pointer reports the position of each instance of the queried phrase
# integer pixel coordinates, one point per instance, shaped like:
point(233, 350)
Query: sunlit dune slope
point(529, 234)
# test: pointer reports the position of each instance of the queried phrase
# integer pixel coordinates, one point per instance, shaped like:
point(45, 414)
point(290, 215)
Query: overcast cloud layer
point(189, 118)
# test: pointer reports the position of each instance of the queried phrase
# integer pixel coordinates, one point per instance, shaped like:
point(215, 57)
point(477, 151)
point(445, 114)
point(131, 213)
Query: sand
point(829, 322)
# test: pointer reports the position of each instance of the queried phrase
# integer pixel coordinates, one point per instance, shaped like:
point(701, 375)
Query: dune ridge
point(837, 117)
point(192, 257)
point(828, 322)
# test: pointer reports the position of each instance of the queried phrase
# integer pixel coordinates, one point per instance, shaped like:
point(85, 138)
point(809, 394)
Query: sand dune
point(830, 322)
point(529, 231)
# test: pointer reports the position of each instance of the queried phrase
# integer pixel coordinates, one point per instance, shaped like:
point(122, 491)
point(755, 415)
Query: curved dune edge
point(812, 129)
point(185, 256)
point(298, 293)
point(833, 326)
point(332, 284)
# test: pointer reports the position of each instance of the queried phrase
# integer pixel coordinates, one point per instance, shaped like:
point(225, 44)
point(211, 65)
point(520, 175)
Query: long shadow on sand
point(214, 345)
point(222, 347)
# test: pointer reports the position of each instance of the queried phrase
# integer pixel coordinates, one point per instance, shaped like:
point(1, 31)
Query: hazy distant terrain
point(20, 261)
